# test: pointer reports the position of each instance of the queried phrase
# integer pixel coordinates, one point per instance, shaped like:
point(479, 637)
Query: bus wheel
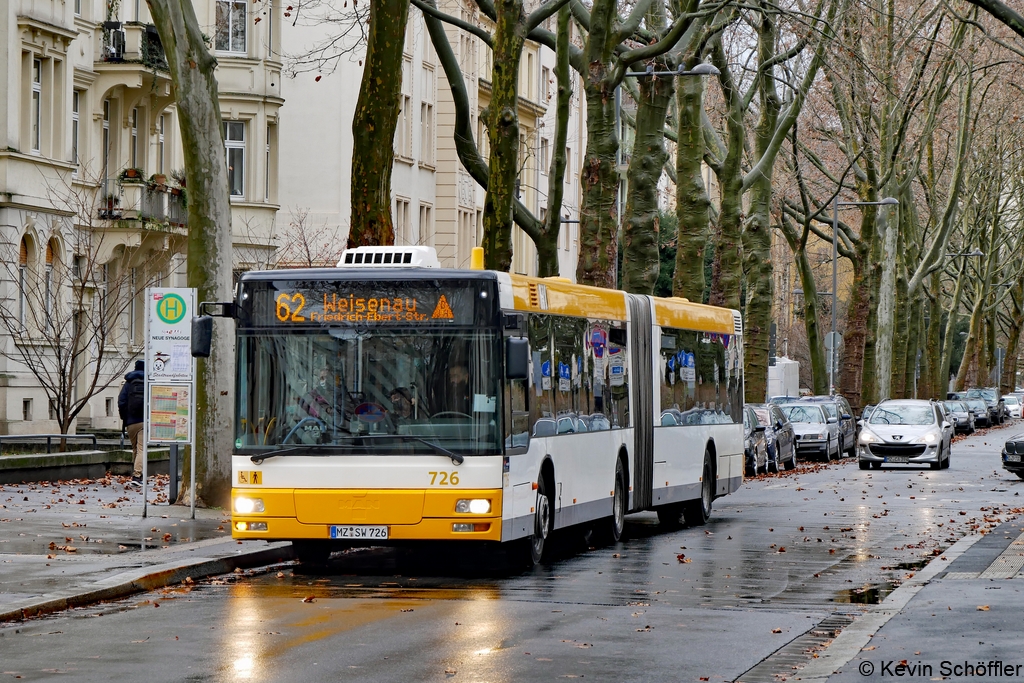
point(312, 552)
point(697, 512)
point(541, 523)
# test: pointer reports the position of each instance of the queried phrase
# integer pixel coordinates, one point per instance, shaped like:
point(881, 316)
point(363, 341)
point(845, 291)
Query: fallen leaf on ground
point(982, 608)
point(310, 598)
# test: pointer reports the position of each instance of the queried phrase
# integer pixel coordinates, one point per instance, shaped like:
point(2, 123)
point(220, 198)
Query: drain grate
point(788, 659)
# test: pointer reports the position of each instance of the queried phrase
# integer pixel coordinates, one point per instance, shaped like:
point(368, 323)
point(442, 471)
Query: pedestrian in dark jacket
point(131, 406)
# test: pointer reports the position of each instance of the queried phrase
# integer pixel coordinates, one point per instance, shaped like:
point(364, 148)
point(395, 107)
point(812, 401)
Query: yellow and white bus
point(390, 400)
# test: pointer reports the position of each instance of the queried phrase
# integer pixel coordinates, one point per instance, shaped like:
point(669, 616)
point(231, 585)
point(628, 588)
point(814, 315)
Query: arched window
point(23, 253)
point(50, 284)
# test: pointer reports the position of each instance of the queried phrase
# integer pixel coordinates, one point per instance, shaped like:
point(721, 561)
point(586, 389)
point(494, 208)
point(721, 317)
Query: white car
point(905, 432)
point(1013, 405)
point(816, 433)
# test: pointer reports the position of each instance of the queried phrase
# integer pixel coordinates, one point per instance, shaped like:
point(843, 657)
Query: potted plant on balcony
point(158, 179)
point(132, 175)
point(178, 176)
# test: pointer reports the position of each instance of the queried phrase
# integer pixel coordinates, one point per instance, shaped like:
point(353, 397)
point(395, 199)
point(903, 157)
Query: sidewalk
point(958, 618)
point(70, 543)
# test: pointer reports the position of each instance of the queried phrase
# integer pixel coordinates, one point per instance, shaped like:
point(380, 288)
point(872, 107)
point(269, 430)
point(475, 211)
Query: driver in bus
point(401, 405)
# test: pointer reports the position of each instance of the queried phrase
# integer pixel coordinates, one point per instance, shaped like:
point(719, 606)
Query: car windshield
point(369, 390)
point(986, 394)
point(804, 414)
point(903, 415)
point(955, 406)
point(762, 416)
point(1011, 400)
point(978, 405)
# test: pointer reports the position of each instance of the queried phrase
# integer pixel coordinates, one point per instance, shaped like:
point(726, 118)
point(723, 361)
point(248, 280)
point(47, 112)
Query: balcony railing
point(146, 201)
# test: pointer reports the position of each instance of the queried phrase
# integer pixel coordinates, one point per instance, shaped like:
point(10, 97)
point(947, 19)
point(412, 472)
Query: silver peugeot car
point(905, 432)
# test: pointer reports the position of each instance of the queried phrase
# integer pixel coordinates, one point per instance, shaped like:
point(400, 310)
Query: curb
point(849, 642)
point(147, 579)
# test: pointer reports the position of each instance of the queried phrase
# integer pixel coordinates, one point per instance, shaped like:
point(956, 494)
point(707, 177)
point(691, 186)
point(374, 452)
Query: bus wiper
point(457, 458)
point(314, 449)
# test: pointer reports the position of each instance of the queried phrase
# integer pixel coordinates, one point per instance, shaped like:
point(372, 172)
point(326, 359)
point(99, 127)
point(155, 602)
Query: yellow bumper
point(409, 514)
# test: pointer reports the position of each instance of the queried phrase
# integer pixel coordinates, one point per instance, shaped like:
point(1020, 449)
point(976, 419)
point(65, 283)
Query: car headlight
point(245, 505)
point(474, 506)
point(926, 438)
point(869, 437)
point(823, 435)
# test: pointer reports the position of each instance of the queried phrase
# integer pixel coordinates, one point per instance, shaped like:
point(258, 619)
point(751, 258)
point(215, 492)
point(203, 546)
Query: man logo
point(171, 309)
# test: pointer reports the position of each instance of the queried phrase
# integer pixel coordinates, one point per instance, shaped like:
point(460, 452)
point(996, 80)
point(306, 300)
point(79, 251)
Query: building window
point(134, 151)
point(109, 406)
point(231, 26)
point(401, 217)
point(52, 409)
point(545, 83)
point(568, 166)
point(160, 143)
point(531, 78)
point(75, 104)
point(50, 291)
point(266, 170)
point(105, 152)
point(403, 132)
point(37, 104)
point(544, 156)
point(234, 142)
point(427, 133)
point(426, 226)
point(26, 409)
point(78, 8)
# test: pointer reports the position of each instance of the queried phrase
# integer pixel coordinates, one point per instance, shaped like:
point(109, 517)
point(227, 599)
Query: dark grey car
point(1013, 455)
point(779, 435)
point(755, 448)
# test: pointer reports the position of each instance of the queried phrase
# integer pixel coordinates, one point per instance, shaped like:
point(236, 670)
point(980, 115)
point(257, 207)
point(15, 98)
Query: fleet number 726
point(444, 478)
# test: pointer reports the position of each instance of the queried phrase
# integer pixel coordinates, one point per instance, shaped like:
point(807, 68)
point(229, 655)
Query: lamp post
point(888, 201)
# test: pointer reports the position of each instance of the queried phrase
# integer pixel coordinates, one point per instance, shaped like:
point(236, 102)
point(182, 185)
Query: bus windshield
point(370, 390)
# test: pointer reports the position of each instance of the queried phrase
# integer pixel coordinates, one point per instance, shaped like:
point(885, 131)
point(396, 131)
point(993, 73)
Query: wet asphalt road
point(693, 604)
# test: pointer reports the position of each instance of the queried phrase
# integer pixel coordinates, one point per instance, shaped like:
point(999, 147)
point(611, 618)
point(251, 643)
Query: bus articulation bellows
point(390, 400)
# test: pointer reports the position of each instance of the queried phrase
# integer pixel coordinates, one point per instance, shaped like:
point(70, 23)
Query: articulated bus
point(390, 400)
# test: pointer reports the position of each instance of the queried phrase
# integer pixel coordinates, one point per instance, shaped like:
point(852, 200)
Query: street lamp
point(975, 253)
point(702, 69)
point(833, 338)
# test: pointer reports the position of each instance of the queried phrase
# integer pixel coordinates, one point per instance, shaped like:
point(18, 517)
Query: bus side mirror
point(202, 336)
point(517, 358)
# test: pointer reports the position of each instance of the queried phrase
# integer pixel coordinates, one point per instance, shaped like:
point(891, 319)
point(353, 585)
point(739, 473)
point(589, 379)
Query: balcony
point(132, 43)
point(123, 199)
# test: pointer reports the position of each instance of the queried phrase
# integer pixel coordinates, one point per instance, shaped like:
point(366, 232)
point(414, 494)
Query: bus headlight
point(245, 505)
point(474, 506)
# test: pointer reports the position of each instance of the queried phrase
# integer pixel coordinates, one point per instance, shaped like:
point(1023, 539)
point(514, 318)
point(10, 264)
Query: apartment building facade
point(435, 201)
point(92, 198)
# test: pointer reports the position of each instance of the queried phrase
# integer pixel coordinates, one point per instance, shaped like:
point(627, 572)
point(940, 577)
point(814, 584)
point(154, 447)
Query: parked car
point(839, 408)
point(982, 416)
point(996, 406)
point(781, 400)
point(961, 416)
point(905, 432)
point(817, 434)
point(1013, 455)
point(1013, 405)
point(779, 435)
point(755, 448)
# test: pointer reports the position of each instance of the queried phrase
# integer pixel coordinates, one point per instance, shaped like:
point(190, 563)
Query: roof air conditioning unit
point(389, 257)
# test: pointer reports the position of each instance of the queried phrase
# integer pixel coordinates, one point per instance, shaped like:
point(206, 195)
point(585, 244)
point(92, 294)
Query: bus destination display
point(324, 303)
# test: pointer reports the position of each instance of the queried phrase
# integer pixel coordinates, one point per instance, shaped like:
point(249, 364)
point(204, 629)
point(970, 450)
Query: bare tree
point(70, 322)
